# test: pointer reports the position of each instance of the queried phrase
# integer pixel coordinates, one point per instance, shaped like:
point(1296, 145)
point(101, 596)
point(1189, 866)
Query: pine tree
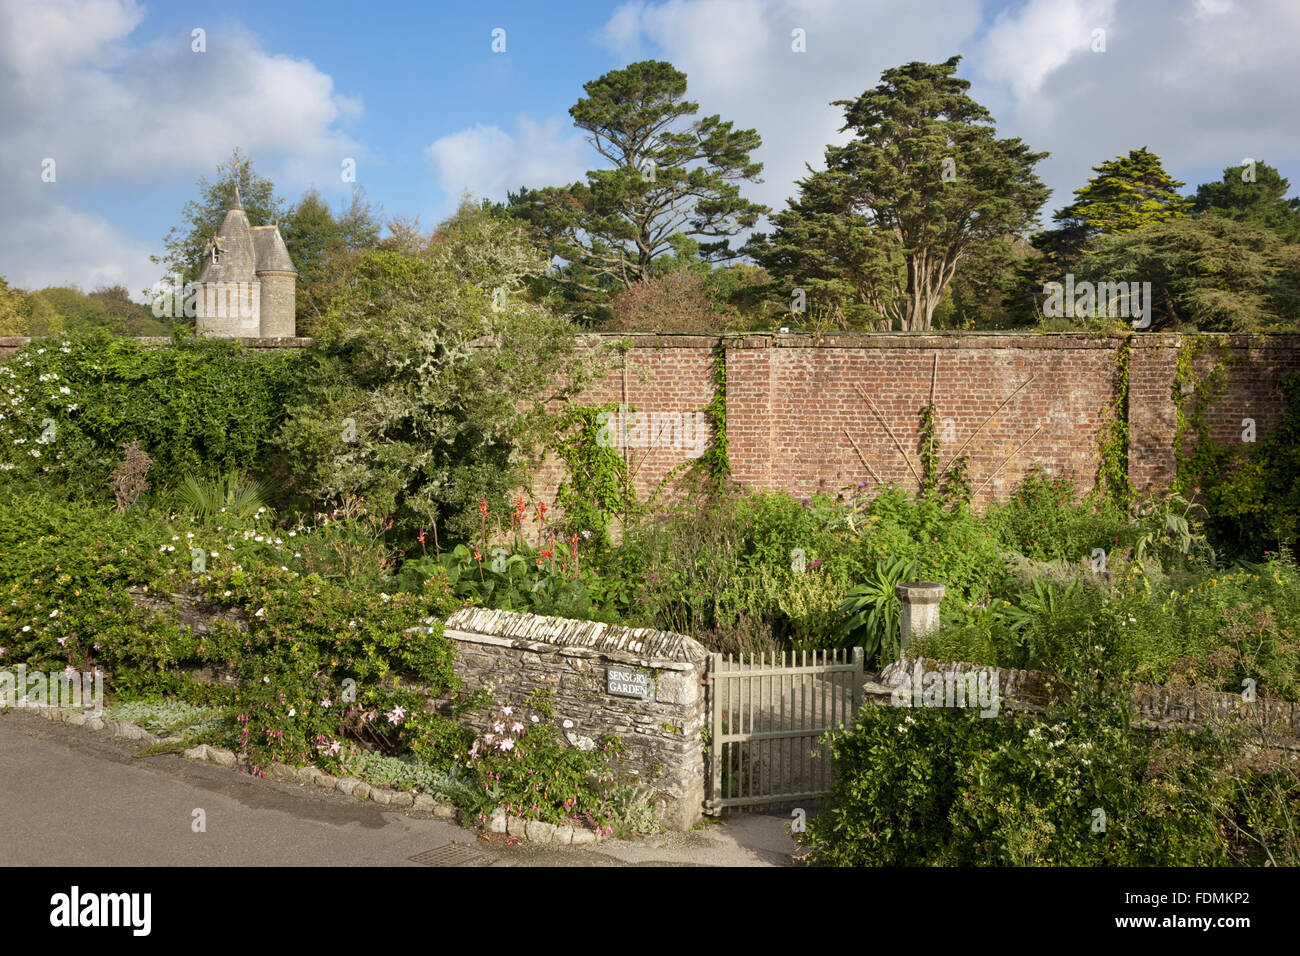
point(1252, 194)
point(922, 184)
point(1127, 193)
point(667, 175)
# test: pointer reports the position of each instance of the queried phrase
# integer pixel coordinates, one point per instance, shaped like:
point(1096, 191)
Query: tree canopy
point(667, 175)
point(922, 183)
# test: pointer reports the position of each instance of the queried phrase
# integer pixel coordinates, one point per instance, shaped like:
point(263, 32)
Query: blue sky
point(413, 92)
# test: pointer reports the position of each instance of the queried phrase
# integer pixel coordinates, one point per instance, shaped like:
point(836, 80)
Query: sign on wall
point(627, 682)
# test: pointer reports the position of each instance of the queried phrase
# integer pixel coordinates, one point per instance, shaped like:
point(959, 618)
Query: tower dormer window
point(216, 254)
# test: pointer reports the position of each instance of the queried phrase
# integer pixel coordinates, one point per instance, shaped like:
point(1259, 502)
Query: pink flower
point(396, 715)
point(506, 744)
point(516, 727)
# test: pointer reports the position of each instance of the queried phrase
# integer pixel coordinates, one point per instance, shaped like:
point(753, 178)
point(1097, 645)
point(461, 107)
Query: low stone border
point(535, 831)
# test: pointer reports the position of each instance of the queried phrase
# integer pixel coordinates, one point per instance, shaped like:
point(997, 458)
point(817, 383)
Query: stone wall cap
point(643, 642)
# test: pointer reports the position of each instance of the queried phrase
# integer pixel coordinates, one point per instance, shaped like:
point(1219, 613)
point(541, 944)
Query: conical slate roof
point(244, 250)
point(234, 243)
point(269, 250)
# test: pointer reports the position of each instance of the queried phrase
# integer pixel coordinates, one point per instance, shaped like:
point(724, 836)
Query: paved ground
point(73, 797)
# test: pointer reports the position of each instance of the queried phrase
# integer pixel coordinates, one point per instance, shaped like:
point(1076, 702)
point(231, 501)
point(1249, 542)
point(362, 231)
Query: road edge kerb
point(415, 802)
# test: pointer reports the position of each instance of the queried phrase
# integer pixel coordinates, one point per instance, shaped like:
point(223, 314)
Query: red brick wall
point(792, 402)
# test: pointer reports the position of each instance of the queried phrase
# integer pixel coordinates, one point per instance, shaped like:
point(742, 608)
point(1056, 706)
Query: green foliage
point(1044, 521)
point(1252, 195)
point(527, 769)
point(880, 231)
point(446, 395)
point(537, 581)
point(323, 247)
point(228, 493)
point(198, 406)
point(599, 486)
point(871, 612)
point(1256, 506)
point(1209, 274)
point(412, 773)
point(714, 461)
point(486, 248)
point(947, 787)
point(1127, 193)
point(666, 177)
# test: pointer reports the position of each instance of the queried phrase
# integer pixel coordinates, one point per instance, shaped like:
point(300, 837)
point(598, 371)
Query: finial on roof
point(235, 203)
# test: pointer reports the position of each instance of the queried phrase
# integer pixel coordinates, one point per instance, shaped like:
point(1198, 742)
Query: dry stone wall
point(590, 669)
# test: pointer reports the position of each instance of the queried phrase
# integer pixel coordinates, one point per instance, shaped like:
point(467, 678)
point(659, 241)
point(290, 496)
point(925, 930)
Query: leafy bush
point(932, 786)
point(198, 406)
point(1256, 508)
point(1043, 521)
point(423, 399)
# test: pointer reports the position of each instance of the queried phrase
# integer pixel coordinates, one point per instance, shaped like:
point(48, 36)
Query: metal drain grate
point(453, 854)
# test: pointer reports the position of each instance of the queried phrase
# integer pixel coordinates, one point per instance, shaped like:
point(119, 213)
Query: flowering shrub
point(67, 406)
point(526, 769)
point(1080, 787)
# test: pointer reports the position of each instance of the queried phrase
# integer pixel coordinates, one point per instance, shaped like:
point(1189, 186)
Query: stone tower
point(247, 284)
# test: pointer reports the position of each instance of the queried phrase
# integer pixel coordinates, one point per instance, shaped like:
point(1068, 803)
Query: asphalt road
point(72, 797)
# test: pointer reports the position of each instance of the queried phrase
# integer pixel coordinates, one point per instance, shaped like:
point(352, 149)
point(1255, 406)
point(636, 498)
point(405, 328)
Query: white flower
point(507, 711)
point(266, 680)
point(533, 718)
point(54, 613)
point(26, 628)
point(292, 712)
point(261, 612)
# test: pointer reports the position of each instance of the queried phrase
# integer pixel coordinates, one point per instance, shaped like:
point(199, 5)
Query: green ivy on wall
point(1206, 458)
point(1113, 438)
point(600, 485)
point(714, 462)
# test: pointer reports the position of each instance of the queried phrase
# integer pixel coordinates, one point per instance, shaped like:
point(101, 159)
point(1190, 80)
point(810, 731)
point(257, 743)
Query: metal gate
point(765, 719)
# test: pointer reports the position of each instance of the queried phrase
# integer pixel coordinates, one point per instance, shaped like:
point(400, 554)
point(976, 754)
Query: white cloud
point(54, 245)
point(739, 62)
point(72, 89)
point(489, 162)
point(1024, 46)
point(1202, 83)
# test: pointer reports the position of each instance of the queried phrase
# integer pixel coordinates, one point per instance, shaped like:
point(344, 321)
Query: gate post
point(713, 802)
point(920, 612)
